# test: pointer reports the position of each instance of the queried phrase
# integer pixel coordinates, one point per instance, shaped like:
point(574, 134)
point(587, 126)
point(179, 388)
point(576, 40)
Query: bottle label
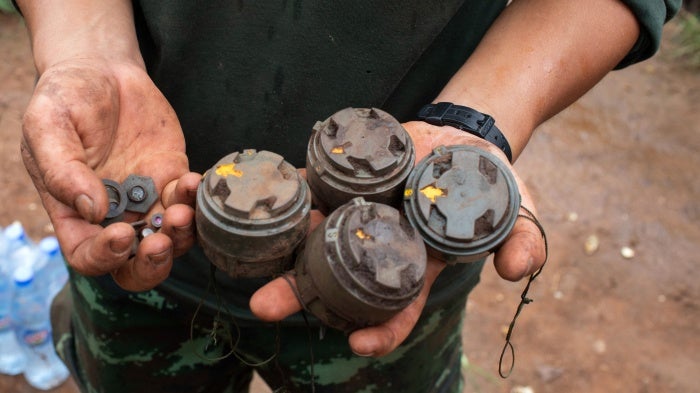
point(35, 337)
point(4, 322)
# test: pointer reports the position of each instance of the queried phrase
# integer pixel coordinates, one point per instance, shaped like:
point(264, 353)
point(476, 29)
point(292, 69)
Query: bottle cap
point(15, 231)
point(23, 275)
point(49, 245)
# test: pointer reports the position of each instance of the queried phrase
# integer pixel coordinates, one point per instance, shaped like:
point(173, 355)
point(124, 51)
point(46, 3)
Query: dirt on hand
point(616, 308)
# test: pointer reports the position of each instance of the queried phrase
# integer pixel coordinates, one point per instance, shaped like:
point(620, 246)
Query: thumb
point(55, 159)
point(525, 249)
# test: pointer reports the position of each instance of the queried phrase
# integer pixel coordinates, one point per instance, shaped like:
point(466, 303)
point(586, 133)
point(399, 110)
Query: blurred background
point(617, 308)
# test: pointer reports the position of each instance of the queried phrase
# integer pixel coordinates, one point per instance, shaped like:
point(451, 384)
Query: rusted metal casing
point(116, 197)
point(463, 201)
point(363, 264)
point(252, 212)
point(135, 194)
point(358, 152)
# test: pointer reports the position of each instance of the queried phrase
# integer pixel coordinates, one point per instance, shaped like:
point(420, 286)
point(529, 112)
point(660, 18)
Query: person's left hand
point(520, 255)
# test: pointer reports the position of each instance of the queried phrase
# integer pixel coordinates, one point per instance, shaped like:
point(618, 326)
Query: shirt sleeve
point(651, 15)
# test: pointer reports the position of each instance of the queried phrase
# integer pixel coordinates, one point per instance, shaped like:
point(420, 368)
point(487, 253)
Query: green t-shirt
point(259, 74)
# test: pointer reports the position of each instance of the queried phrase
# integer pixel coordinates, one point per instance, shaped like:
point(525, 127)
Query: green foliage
point(7, 7)
point(688, 38)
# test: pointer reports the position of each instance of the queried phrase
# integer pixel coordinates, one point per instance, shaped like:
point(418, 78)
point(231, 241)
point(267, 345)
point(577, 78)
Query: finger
point(149, 267)
point(58, 154)
point(178, 225)
point(382, 339)
point(275, 301)
point(93, 250)
point(316, 218)
point(182, 190)
point(66, 179)
point(523, 251)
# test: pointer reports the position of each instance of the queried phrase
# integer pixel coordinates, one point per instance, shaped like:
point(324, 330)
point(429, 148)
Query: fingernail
point(160, 258)
point(364, 355)
point(119, 246)
point(85, 206)
point(184, 228)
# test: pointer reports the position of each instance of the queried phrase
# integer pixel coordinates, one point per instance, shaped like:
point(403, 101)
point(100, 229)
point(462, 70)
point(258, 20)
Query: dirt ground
point(616, 167)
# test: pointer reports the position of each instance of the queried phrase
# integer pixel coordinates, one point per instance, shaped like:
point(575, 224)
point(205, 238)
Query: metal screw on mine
point(141, 193)
point(157, 220)
point(137, 194)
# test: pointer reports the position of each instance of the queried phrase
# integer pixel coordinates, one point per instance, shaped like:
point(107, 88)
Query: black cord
point(523, 297)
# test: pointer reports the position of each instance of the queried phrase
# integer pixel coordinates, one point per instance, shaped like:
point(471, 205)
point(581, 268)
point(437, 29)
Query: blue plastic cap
point(23, 275)
point(49, 245)
point(15, 231)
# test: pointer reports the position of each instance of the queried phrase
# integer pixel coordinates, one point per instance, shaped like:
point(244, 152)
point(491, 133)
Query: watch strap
point(465, 119)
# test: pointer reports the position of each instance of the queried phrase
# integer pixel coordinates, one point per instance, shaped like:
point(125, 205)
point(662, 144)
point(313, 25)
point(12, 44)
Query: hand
point(521, 254)
point(91, 119)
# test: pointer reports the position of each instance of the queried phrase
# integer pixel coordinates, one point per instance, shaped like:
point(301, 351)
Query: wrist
point(78, 29)
point(468, 120)
point(509, 117)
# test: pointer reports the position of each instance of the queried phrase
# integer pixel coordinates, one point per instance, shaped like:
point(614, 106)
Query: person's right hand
point(91, 119)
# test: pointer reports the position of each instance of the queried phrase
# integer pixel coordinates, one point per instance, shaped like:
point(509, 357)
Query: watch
point(466, 119)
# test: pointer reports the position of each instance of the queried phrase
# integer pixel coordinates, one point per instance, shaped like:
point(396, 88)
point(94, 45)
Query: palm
point(135, 130)
point(90, 119)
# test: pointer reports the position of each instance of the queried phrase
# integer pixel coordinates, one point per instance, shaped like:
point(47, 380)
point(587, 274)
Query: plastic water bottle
point(50, 270)
point(20, 249)
point(44, 370)
point(12, 358)
point(16, 236)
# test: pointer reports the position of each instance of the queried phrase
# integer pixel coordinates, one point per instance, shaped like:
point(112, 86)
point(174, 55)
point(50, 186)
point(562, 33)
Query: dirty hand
point(91, 119)
point(521, 254)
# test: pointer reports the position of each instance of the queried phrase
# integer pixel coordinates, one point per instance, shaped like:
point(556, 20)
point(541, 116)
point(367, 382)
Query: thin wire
point(304, 310)
point(523, 297)
point(213, 333)
point(216, 326)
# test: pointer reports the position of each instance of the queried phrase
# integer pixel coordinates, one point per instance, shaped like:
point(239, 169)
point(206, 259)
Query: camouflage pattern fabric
point(116, 341)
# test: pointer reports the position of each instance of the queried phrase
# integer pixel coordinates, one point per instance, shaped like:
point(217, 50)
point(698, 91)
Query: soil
point(614, 171)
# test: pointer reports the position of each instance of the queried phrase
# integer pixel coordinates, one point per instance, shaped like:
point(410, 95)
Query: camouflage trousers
point(115, 341)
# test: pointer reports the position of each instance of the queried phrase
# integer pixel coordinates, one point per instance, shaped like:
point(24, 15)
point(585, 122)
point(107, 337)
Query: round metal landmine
point(363, 264)
point(252, 212)
point(358, 152)
point(464, 202)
